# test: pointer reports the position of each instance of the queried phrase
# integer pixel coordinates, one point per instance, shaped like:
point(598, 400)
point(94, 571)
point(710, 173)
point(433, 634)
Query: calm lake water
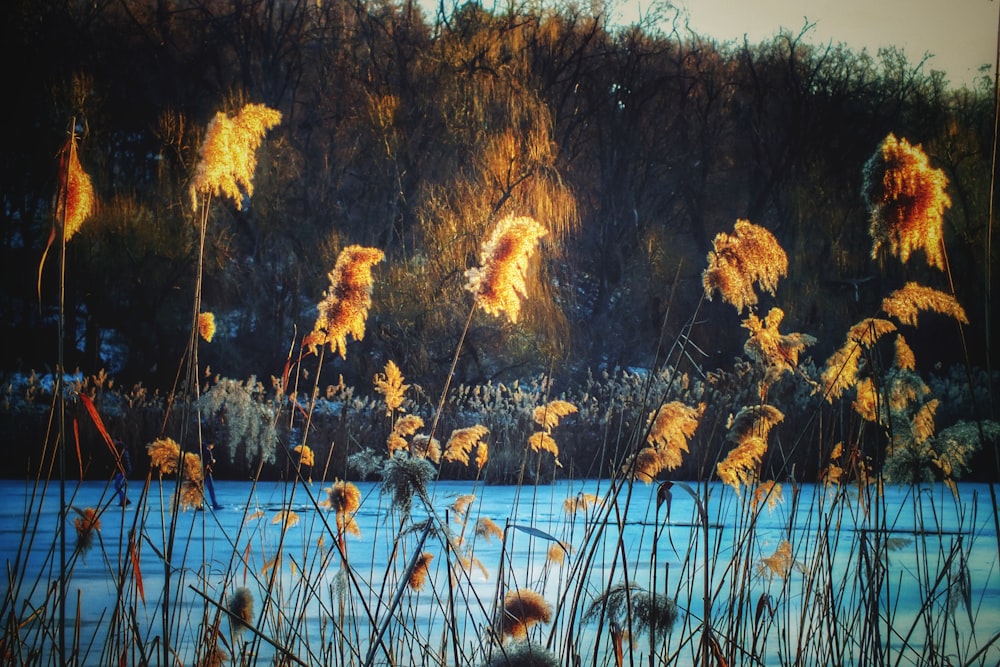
point(927, 542)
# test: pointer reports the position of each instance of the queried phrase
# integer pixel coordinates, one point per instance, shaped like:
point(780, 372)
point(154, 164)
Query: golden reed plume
point(749, 255)
point(164, 455)
point(345, 305)
point(87, 525)
point(749, 430)
point(461, 442)
point(404, 427)
point(670, 428)
point(498, 283)
point(906, 199)
point(75, 200)
point(522, 609)
point(229, 153)
point(842, 368)
point(907, 302)
point(547, 416)
point(390, 385)
point(206, 326)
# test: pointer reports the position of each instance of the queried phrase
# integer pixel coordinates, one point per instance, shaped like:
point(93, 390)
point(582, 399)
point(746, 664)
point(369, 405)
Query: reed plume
point(75, 200)
point(164, 455)
point(206, 326)
point(749, 255)
point(461, 442)
point(406, 476)
point(344, 499)
point(769, 492)
point(906, 199)
point(581, 502)
point(498, 284)
point(909, 301)
point(404, 427)
point(228, 154)
point(241, 609)
point(749, 430)
point(345, 305)
point(670, 428)
point(418, 577)
point(287, 518)
point(769, 346)
point(306, 455)
point(482, 454)
point(461, 505)
point(522, 609)
point(547, 416)
point(842, 369)
point(390, 385)
point(487, 529)
point(543, 442)
point(423, 446)
point(619, 603)
point(780, 563)
point(87, 525)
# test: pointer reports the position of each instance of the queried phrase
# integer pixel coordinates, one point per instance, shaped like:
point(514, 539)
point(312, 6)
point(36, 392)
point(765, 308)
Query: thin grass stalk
point(397, 596)
point(61, 401)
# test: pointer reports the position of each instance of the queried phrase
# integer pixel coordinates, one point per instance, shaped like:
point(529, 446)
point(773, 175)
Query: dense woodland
point(413, 133)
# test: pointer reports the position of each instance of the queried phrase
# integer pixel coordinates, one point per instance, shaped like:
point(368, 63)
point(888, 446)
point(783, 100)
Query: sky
point(961, 35)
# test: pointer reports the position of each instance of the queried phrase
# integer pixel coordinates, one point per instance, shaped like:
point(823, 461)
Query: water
point(906, 548)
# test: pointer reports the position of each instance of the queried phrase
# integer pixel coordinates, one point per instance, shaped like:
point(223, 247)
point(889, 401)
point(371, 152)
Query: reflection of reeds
point(906, 199)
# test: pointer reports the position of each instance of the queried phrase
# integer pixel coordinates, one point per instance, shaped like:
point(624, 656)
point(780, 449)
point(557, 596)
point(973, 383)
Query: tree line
point(414, 132)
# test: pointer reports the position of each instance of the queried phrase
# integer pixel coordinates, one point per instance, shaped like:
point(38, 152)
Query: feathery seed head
point(488, 529)
point(499, 282)
point(907, 302)
point(523, 608)
point(164, 455)
point(461, 442)
point(906, 199)
point(241, 609)
point(419, 575)
point(345, 305)
point(229, 153)
point(206, 326)
point(75, 196)
point(86, 525)
point(547, 416)
point(749, 255)
point(390, 385)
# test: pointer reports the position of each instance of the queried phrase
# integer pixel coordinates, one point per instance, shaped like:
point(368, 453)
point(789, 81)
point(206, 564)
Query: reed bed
point(882, 556)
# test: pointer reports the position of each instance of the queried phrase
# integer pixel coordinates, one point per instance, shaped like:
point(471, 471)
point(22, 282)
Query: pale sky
point(961, 34)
